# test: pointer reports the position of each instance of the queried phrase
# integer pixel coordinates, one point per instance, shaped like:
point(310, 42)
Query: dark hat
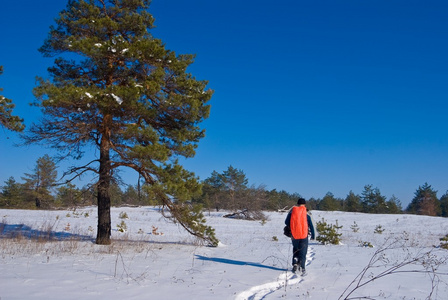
point(301, 201)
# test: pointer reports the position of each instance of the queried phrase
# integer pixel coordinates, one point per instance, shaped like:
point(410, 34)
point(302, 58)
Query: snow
point(118, 99)
point(156, 259)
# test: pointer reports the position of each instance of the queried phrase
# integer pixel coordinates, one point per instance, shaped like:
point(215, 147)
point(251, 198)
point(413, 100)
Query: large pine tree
point(117, 88)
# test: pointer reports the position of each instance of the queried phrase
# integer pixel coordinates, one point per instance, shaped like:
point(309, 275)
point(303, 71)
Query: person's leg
point(295, 253)
point(302, 250)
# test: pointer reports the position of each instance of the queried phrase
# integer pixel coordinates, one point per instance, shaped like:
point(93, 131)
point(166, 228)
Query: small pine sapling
point(328, 233)
point(444, 242)
point(122, 227)
point(379, 229)
point(123, 215)
point(354, 227)
point(365, 244)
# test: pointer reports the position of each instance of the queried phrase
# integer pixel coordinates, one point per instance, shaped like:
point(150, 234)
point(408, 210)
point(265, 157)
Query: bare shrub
point(383, 264)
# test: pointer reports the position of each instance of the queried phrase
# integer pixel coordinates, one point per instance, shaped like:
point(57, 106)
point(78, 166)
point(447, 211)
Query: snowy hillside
point(52, 256)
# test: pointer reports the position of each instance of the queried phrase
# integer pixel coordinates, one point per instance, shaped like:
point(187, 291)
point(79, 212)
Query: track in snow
point(259, 292)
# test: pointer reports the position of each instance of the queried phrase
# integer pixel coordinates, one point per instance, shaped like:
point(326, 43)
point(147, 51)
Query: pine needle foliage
point(116, 88)
point(444, 242)
point(7, 120)
point(328, 233)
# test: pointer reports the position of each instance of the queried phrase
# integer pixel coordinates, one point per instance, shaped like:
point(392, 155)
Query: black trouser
point(299, 249)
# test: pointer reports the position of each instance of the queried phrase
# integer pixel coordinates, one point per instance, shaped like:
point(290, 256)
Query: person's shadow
point(237, 262)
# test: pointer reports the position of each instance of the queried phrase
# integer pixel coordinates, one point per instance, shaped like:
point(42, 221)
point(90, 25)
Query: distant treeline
point(228, 190)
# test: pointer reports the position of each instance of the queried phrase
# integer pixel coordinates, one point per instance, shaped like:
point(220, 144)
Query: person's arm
point(288, 219)
point(310, 226)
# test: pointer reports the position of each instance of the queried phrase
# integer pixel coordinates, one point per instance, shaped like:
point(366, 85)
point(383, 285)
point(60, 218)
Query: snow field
point(155, 259)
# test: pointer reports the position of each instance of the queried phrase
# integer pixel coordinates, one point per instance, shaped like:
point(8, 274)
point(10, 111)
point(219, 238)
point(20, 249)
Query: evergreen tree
point(38, 185)
point(281, 199)
point(353, 202)
point(88, 195)
point(394, 205)
point(444, 205)
point(254, 199)
point(425, 202)
point(123, 93)
point(234, 183)
point(372, 201)
point(12, 194)
point(7, 120)
point(329, 203)
point(229, 190)
point(116, 194)
point(213, 191)
point(311, 204)
point(69, 196)
point(131, 195)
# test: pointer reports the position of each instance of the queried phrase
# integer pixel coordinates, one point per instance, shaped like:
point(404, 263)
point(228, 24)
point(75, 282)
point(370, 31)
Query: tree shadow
point(11, 231)
point(238, 262)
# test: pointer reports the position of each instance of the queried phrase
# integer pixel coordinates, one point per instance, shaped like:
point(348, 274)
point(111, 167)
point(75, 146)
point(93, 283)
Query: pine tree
point(131, 195)
point(353, 202)
point(116, 194)
point(328, 233)
point(122, 92)
point(39, 184)
point(11, 194)
point(69, 196)
point(444, 205)
point(279, 200)
point(372, 201)
point(213, 191)
point(234, 184)
point(425, 202)
point(394, 205)
point(329, 203)
point(7, 120)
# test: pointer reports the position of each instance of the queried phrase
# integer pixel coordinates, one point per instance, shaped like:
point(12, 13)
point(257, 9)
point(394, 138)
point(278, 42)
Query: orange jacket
point(299, 223)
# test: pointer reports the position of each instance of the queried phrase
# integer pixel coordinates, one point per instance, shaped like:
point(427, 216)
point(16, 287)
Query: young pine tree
point(12, 194)
point(120, 91)
point(38, 185)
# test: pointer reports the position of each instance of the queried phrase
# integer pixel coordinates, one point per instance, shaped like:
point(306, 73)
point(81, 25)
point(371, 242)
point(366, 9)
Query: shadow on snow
point(13, 231)
point(24, 231)
point(238, 262)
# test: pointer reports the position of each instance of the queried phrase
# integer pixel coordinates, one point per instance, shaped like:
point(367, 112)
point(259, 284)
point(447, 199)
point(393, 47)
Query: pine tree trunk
point(104, 220)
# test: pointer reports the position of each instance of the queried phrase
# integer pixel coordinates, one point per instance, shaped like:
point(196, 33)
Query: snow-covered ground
point(155, 259)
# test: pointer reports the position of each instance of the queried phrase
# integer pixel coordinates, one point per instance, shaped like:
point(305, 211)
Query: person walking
point(301, 226)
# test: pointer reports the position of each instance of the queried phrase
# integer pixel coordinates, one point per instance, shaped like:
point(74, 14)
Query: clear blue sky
point(310, 96)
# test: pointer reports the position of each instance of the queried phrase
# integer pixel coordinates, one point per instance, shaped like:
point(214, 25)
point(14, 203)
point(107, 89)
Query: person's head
point(301, 201)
